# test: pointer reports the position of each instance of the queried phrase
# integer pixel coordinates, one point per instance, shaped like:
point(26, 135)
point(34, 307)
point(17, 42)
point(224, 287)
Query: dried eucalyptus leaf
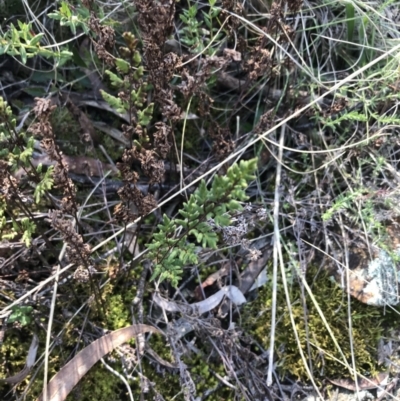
point(231, 291)
point(66, 379)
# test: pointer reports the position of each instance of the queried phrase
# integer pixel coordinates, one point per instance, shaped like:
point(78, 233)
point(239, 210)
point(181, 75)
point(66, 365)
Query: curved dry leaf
point(362, 383)
point(30, 361)
point(232, 292)
point(212, 278)
point(67, 378)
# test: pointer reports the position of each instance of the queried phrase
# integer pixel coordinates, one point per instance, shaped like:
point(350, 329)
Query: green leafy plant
point(14, 156)
point(70, 19)
point(45, 185)
point(133, 98)
point(365, 207)
point(170, 251)
point(343, 201)
point(21, 314)
point(28, 228)
point(194, 34)
point(23, 42)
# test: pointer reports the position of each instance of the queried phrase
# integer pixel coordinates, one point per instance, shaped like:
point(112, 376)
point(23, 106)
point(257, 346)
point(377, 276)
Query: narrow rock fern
point(170, 252)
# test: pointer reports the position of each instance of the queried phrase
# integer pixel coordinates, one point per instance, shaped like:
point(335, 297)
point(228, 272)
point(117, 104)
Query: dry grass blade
point(66, 379)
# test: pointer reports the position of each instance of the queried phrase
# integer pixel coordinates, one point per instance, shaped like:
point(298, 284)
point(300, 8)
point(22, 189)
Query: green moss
point(116, 313)
point(13, 354)
point(368, 324)
point(99, 384)
point(199, 366)
point(117, 300)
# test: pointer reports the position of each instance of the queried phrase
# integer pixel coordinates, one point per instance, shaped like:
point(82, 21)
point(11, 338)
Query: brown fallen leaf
point(66, 379)
point(363, 383)
point(211, 279)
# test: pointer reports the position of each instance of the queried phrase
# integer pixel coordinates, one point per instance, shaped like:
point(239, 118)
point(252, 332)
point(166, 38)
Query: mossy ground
point(368, 325)
point(99, 383)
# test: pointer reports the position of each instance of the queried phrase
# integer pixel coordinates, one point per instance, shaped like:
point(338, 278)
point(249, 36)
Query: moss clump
point(368, 324)
point(100, 385)
point(13, 354)
point(200, 366)
point(117, 314)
